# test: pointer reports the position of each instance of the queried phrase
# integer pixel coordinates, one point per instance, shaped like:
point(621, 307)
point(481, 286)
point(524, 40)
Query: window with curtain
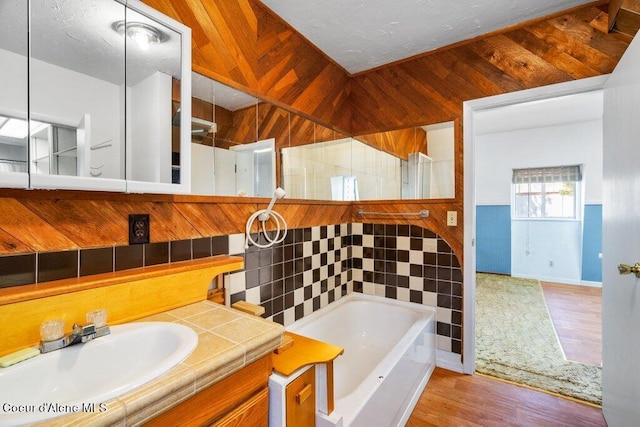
point(549, 192)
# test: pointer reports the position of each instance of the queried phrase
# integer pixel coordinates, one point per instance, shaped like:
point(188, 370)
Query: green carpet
point(516, 340)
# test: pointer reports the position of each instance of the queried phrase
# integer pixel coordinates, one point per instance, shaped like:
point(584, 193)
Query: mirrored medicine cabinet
point(102, 100)
point(94, 93)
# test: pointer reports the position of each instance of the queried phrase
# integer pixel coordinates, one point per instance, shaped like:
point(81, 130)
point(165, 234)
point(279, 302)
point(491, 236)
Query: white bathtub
point(389, 355)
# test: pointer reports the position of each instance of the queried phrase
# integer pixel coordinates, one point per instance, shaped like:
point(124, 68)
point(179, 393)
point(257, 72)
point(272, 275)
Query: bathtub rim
point(355, 296)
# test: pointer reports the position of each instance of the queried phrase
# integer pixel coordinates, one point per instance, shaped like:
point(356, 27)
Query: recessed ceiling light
point(143, 34)
point(17, 128)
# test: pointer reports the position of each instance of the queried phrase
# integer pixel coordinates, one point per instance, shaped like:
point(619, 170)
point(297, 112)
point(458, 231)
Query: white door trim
point(469, 110)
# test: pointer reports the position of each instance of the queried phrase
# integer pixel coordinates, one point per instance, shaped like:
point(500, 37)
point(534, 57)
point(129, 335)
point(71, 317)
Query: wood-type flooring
point(453, 399)
point(576, 312)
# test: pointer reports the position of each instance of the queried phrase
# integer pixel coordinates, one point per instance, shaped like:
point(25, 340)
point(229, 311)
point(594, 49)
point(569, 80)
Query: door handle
point(304, 394)
point(628, 269)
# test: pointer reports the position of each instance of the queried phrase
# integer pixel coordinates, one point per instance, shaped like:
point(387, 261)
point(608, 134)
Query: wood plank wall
point(400, 142)
point(291, 130)
point(242, 44)
point(432, 88)
point(41, 220)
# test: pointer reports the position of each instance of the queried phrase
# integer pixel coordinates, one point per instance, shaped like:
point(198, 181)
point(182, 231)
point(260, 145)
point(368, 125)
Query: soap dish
point(18, 356)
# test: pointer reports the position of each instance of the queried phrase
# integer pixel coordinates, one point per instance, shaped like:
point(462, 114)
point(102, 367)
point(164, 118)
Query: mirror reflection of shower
point(255, 168)
point(417, 170)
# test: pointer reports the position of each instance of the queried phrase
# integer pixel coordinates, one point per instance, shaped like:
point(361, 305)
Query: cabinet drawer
point(219, 399)
point(253, 413)
point(301, 400)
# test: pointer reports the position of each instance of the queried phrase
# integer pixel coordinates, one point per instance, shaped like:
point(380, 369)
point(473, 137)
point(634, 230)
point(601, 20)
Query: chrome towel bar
point(423, 213)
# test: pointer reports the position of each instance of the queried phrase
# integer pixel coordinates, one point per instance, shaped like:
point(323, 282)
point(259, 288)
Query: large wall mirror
point(103, 82)
point(243, 146)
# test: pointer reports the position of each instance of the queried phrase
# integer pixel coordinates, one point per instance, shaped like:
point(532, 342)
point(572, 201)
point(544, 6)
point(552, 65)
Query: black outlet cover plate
point(138, 229)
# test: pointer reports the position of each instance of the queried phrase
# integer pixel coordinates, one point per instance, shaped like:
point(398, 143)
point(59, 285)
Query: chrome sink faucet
point(53, 338)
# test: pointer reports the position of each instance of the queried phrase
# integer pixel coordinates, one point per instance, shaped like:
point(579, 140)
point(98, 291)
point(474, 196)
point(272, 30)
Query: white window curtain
point(572, 173)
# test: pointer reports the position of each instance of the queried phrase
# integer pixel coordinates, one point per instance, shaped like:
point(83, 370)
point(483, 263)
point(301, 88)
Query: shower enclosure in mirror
point(90, 104)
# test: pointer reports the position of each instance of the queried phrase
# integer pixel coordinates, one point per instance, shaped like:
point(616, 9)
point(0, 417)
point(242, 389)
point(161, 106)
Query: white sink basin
point(92, 373)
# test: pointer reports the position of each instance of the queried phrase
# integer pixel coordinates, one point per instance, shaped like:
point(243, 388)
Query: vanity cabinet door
point(301, 400)
point(240, 396)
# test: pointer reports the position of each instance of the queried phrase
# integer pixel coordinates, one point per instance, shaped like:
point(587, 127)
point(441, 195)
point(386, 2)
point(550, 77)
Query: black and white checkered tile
point(307, 271)
point(316, 266)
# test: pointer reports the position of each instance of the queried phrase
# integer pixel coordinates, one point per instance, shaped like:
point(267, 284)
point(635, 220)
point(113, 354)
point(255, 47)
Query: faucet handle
point(97, 317)
point(51, 330)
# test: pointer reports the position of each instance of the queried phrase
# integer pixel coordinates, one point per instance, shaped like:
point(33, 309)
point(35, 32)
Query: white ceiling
point(364, 34)
point(542, 113)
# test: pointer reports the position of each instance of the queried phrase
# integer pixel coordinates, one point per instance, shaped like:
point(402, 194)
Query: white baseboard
point(591, 284)
point(448, 360)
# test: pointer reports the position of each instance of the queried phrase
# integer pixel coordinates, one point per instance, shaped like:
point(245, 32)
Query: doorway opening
point(548, 231)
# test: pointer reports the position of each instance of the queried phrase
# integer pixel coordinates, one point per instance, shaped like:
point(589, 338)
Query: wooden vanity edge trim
point(216, 401)
point(247, 307)
point(58, 287)
point(304, 351)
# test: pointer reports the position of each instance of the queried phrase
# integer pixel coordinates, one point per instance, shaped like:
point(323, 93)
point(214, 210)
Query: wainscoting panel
point(493, 239)
point(592, 244)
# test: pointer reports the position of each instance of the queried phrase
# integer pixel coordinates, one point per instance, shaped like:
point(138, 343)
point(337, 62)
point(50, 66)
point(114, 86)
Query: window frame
point(577, 198)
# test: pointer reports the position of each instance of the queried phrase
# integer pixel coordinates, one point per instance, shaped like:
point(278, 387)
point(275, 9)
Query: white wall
point(499, 153)
point(150, 121)
point(13, 85)
point(225, 172)
point(13, 103)
point(547, 250)
point(63, 96)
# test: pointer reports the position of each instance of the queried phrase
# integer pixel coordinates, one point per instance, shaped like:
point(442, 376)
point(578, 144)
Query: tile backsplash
point(315, 266)
point(310, 269)
point(16, 270)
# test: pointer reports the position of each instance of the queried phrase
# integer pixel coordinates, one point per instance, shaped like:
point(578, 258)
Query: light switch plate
point(452, 218)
